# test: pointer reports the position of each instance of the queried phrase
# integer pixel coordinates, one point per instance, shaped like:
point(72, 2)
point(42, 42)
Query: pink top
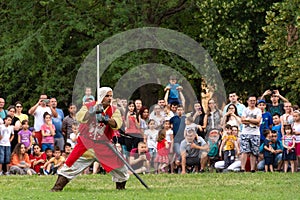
point(46, 129)
point(132, 129)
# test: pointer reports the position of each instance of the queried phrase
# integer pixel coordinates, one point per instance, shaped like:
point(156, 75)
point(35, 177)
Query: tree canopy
point(43, 43)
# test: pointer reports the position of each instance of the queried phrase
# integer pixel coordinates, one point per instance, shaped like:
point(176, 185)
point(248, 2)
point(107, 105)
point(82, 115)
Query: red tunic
point(104, 154)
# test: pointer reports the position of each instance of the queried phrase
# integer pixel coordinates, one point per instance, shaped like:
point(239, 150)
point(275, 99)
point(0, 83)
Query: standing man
point(38, 110)
point(233, 98)
point(68, 121)
point(57, 122)
point(3, 112)
point(275, 106)
point(96, 133)
point(138, 105)
point(250, 136)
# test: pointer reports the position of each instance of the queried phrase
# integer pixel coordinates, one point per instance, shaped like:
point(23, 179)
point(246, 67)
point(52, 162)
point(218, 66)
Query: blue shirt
point(278, 129)
point(57, 122)
point(173, 91)
point(267, 120)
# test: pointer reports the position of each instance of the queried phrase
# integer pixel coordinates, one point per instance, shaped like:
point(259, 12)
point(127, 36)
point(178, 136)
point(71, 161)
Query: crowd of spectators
point(162, 138)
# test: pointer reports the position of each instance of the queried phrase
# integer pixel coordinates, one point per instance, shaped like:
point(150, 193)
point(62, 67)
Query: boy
point(266, 119)
point(269, 152)
point(277, 125)
point(74, 135)
point(56, 162)
point(229, 143)
point(172, 91)
point(6, 136)
point(88, 97)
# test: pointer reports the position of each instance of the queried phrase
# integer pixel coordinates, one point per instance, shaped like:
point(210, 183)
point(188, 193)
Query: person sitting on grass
point(55, 163)
point(20, 163)
point(193, 152)
point(139, 158)
point(37, 159)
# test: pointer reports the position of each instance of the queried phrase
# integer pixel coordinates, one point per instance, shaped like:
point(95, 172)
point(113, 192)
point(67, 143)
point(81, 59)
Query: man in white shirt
point(250, 136)
point(38, 110)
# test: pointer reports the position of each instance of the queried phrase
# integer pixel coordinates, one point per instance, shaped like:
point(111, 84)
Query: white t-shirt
point(39, 118)
point(296, 127)
point(251, 129)
point(168, 135)
point(72, 137)
point(151, 138)
point(6, 132)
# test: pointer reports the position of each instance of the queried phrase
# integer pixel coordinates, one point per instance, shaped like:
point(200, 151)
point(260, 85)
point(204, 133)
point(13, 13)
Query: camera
point(46, 101)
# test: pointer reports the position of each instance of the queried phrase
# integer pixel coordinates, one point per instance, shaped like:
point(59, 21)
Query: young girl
point(25, 135)
point(289, 154)
point(170, 140)
point(133, 129)
point(296, 131)
point(150, 138)
point(48, 132)
point(37, 159)
point(20, 163)
point(162, 159)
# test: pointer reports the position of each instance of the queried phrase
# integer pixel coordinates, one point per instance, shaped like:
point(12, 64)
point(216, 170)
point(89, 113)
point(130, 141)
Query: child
point(269, 152)
point(172, 91)
point(6, 136)
point(25, 135)
point(88, 97)
point(55, 163)
point(168, 114)
point(150, 138)
point(162, 159)
point(289, 154)
point(267, 120)
point(74, 135)
point(296, 131)
point(189, 124)
point(170, 140)
point(277, 125)
point(229, 143)
point(67, 150)
point(48, 132)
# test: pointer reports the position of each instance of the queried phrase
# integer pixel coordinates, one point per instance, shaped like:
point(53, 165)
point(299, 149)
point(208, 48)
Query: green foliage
point(284, 60)
point(231, 32)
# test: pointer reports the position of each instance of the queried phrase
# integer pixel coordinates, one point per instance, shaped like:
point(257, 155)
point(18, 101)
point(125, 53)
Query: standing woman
point(198, 118)
point(20, 163)
point(231, 117)
point(213, 117)
point(18, 113)
point(133, 133)
point(144, 118)
point(11, 110)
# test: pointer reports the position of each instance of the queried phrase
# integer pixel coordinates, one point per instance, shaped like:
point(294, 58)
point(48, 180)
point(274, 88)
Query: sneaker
point(1, 173)
point(7, 173)
point(46, 172)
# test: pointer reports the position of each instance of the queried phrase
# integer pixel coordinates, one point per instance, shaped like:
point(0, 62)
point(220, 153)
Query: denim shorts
point(5, 154)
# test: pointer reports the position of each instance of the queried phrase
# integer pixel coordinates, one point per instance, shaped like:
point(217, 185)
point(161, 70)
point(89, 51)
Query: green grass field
point(259, 185)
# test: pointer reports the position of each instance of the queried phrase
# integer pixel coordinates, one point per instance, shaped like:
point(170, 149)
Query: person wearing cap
point(98, 122)
point(267, 119)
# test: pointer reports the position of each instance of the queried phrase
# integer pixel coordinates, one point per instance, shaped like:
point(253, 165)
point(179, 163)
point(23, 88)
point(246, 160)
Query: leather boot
point(61, 182)
point(120, 185)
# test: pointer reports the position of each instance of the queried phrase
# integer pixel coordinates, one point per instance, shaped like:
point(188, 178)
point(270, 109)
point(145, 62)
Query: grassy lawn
point(164, 186)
